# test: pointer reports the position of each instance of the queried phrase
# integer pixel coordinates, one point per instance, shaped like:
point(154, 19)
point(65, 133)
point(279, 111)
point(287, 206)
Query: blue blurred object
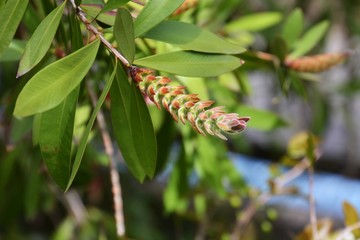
point(330, 191)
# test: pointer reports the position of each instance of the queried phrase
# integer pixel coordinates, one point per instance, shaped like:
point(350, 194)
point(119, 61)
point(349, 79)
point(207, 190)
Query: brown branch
point(96, 32)
point(114, 174)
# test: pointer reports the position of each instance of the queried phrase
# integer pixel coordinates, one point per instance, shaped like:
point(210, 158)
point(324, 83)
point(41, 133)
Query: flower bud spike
point(187, 107)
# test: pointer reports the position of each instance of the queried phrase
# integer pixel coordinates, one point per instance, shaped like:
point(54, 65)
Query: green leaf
point(143, 132)
point(56, 126)
point(254, 22)
point(133, 128)
point(41, 40)
point(293, 27)
point(191, 64)
point(310, 39)
point(124, 33)
point(14, 51)
point(153, 13)
point(86, 133)
point(279, 48)
point(113, 4)
point(49, 87)
point(261, 119)
point(93, 10)
point(351, 217)
point(10, 16)
point(55, 138)
point(190, 37)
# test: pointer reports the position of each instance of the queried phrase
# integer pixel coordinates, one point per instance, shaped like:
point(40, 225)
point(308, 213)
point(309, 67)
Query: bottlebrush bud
point(187, 106)
point(316, 63)
point(185, 6)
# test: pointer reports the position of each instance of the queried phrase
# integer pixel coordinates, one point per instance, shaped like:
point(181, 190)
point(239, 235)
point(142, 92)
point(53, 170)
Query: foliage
point(67, 52)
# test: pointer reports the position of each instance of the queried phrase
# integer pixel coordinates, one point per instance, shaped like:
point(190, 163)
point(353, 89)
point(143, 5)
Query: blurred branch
point(278, 185)
point(312, 208)
point(248, 213)
point(114, 174)
point(71, 201)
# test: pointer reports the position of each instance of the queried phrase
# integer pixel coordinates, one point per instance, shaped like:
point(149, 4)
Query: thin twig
point(114, 174)
point(248, 213)
point(96, 32)
point(292, 173)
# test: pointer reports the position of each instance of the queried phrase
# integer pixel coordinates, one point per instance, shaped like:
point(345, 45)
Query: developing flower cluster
point(316, 63)
point(188, 107)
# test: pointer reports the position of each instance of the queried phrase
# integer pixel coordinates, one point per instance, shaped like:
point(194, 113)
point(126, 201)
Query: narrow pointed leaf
point(124, 33)
point(143, 132)
point(191, 64)
point(49, 87)
point(190, 37)
point(153, 13)
point(85, 136)
point(55, 138)
point(41, 40)
point(10, 16)
point(293, 27)
point(254, 22)
point(133, 128)
point(113, 4)
point(351, 217)
point(120, 94)
point(310, 39)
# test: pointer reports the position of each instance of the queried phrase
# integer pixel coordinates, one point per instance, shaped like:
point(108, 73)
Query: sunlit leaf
point(10, 16)
point(310, 39)
point(41, 40)
point(191, 64)
point(351, 217)
point(301, 143)
point(133, 127)
point(191, 37)
point(124, 33)
point(293, 27)
point(153, 13)
point(52, 84)
point(254, 22)
point(261, 119)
